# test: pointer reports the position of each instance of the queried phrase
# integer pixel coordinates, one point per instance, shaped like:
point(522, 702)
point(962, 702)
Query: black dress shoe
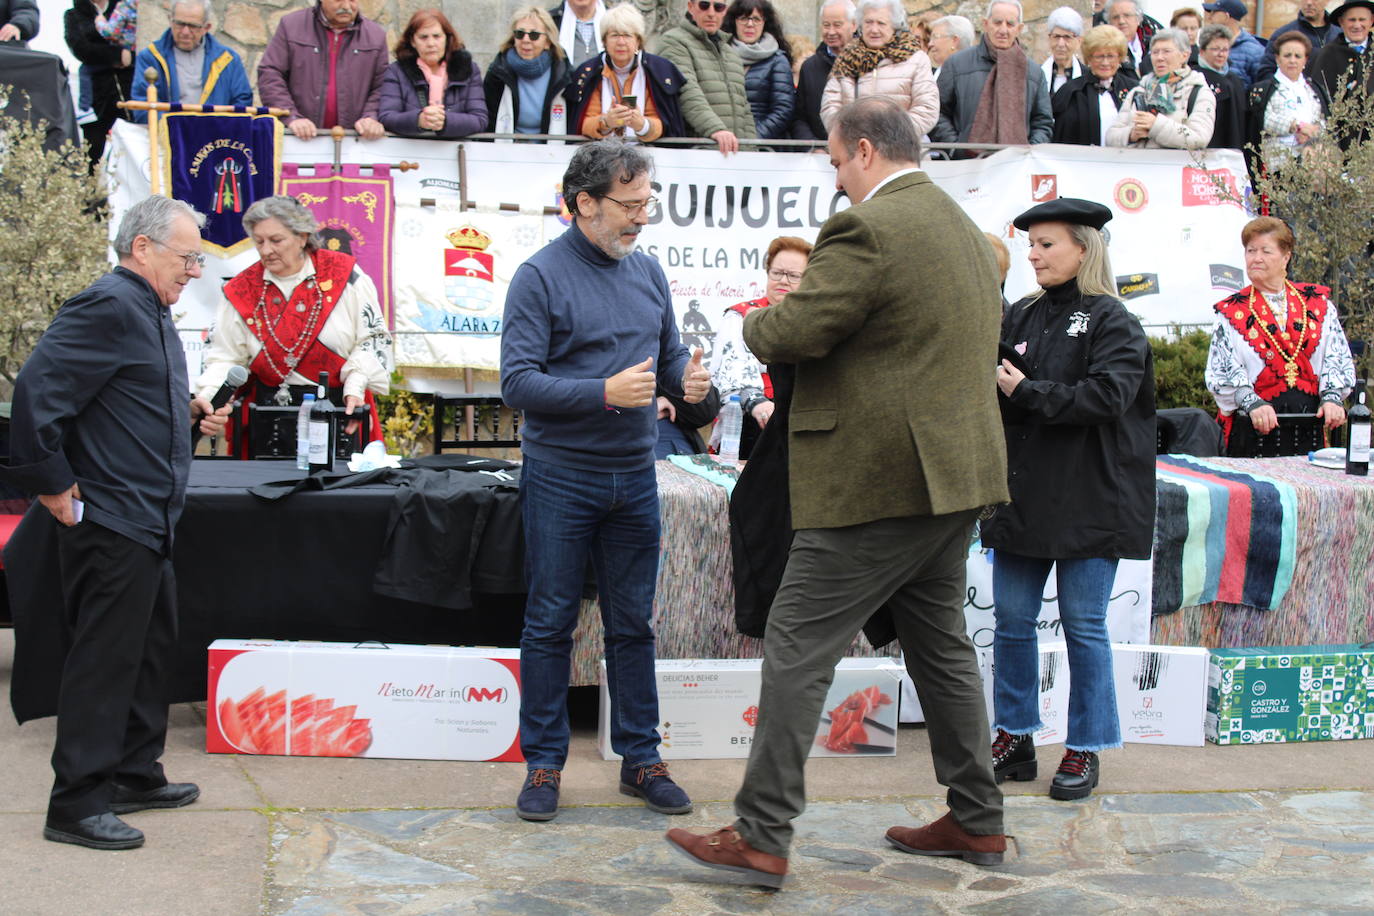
point(1013, 756)
point(99, 831)
point(1076, 777)
point(172, 795)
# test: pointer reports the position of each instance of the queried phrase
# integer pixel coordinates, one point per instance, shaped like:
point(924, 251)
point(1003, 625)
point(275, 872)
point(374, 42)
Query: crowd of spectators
point(728, 71)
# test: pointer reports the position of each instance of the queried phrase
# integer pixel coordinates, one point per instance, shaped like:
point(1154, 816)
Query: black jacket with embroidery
point(1080, 431)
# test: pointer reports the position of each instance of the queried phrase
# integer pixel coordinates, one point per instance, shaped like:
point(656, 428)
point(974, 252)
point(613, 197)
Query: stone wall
point(246, 25)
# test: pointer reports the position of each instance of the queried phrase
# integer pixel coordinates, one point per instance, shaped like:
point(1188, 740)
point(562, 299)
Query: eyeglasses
point(791, 276)
point(706, 5)
point(1106, 58)
point(188, 26)
point(192, 258)
point(531, 34)
point(648, 206)
point(752, 20)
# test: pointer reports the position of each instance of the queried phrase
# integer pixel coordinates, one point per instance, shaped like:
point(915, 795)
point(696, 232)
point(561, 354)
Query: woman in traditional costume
point(1078, 404)
point(1278, 346)
point(301, 310)
point(734, 369)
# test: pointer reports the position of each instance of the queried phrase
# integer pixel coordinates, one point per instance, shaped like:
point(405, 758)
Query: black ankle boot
point(1076, 777)
point(1013, 756)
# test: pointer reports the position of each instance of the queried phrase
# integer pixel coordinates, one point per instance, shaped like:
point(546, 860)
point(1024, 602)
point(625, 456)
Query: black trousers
point(120, 602)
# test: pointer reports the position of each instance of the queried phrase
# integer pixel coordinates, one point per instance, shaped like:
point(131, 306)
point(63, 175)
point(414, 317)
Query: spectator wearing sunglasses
point(714, 101)
point(527, 78)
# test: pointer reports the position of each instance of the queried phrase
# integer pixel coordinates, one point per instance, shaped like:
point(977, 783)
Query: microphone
point(233, 380)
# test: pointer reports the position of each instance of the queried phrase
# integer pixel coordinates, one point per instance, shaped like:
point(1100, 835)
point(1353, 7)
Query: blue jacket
point(1247, 53)
point(768, 84)
point(574, 317)
point(223, 79)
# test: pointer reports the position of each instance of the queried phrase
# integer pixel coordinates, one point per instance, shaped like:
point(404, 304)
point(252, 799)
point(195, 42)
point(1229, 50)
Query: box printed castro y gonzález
point(320, 699)
point(1290, 693)
point(708, 707)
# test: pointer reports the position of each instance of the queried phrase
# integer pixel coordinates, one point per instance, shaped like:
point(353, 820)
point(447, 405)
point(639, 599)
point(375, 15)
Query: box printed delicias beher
point(316, 699)
point(1290, 693)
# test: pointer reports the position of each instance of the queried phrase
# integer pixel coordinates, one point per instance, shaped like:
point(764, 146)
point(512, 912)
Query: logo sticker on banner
point(1133, 286)
point(1224, 276)
point(1210, 188)
point(1130, 195)
point(1044, 187)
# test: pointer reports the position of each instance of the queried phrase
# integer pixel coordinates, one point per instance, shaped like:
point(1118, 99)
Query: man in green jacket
point(713, 101)
point(893, 332)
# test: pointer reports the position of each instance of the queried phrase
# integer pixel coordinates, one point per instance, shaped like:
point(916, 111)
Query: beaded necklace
point(302, 342)
point(1290, 360)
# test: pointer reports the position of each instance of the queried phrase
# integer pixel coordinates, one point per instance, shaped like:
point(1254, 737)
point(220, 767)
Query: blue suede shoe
point(538, 799)
point(653, 784)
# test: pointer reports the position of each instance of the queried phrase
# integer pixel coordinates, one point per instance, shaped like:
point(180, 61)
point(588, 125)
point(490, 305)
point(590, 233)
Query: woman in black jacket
point(110, 68)
point(529, 70)
point(1080, 423)
point(1080, 107)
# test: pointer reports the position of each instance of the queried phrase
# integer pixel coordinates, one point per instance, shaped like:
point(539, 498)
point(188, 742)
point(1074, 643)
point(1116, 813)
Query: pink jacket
point(294, 69)
point(909, 84)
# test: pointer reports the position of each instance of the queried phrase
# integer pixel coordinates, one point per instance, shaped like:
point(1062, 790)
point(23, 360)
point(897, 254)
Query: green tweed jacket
point(894, 334)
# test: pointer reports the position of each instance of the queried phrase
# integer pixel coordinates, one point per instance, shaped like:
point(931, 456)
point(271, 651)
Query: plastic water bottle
point(303, 434)
point(731, 423)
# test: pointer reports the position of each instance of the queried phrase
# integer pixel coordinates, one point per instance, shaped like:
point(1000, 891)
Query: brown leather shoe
point(726, 849)
point(946, 838)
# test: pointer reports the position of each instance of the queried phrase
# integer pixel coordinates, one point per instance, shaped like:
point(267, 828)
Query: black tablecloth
point(298, 568)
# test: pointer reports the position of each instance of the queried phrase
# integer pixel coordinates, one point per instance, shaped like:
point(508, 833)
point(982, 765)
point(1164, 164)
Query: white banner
point(1174, 241)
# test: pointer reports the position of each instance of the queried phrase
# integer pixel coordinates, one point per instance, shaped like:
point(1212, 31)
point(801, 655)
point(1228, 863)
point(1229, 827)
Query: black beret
point(1065, 210)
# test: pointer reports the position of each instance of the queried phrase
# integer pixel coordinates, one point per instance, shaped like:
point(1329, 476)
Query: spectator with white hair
point(838, 18)
point(1130, 20)
point(1064, 29)
point(991, 93)
point(1172, 108)
point(949, 35)
point(886, 60)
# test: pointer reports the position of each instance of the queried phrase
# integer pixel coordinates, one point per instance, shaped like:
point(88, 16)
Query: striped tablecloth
point(1251, 587)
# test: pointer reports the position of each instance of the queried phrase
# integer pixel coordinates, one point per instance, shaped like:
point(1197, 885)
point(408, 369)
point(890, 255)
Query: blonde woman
point(527, 77)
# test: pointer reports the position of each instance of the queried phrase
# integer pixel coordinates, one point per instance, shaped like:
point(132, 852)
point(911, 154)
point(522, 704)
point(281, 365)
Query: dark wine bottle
point(323, 429)
point(1357, 433)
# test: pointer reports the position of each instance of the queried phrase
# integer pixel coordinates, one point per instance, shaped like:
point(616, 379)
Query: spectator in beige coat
point(886, 60)
point(1173, 107)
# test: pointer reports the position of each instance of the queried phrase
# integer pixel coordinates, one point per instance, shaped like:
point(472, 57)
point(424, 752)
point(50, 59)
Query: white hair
point(206, 12)
point(893, 7)
point(1066, 18)
point(959, 27)
point(1139, 11)
point(152, 216)
point(851, 12)
point(1020, 13)
point(1177, 36)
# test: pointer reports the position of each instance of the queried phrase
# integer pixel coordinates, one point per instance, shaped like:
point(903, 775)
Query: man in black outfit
point(101, 431)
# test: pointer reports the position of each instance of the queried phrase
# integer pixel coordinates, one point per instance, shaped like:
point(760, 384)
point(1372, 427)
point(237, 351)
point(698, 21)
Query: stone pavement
point(1270, 829)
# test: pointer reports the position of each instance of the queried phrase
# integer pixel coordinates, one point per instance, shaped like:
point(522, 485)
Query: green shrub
point(1180, 365)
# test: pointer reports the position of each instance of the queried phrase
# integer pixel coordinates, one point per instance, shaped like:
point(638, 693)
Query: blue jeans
point(1084, 589)
point(569, 516)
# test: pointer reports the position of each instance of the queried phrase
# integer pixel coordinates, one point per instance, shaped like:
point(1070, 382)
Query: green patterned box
point(1290, 693)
